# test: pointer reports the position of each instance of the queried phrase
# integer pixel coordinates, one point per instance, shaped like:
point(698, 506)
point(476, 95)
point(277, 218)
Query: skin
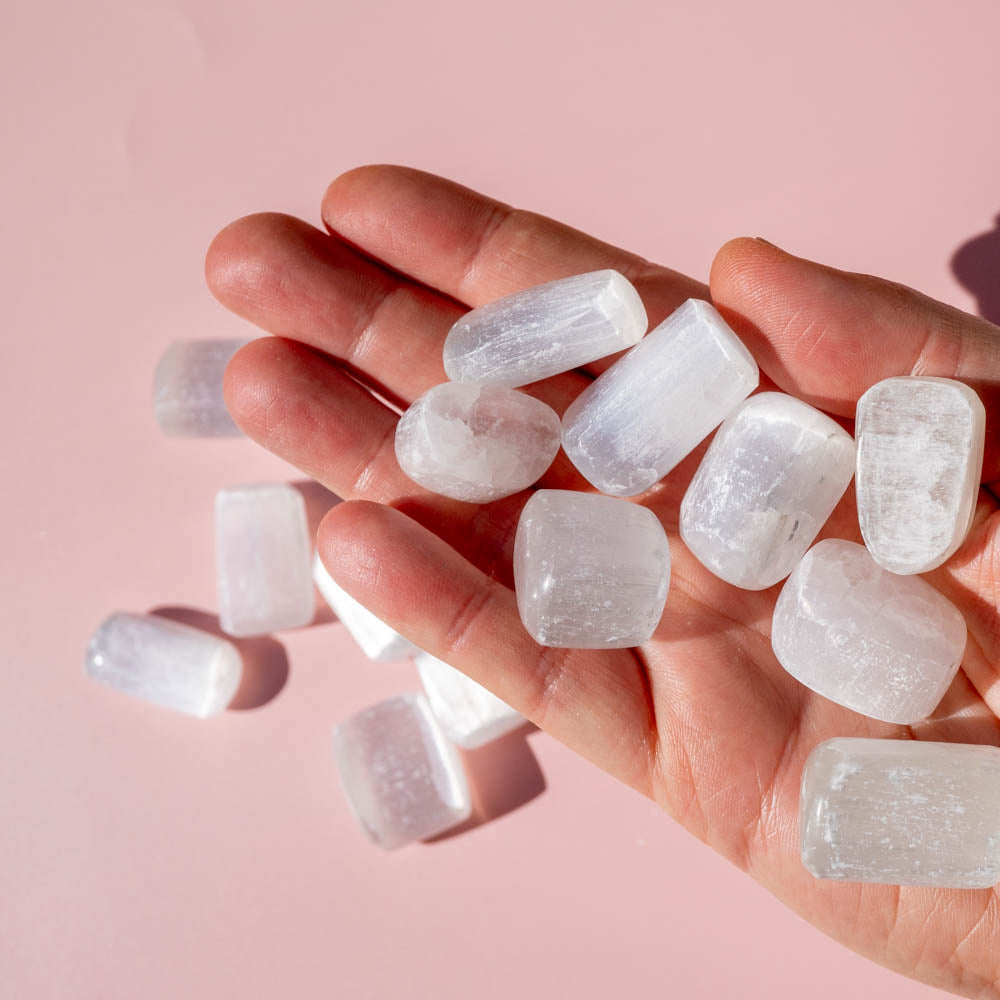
point(702, 719)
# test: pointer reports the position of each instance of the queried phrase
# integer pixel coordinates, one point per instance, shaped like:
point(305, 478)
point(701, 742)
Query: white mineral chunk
point(883, 645)
point(652, 407)
point(767, 484)
point(475, 442)
point(920, 461)
point(545, 330)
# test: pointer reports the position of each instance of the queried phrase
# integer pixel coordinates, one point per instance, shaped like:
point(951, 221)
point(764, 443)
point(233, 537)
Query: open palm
point(702, 718)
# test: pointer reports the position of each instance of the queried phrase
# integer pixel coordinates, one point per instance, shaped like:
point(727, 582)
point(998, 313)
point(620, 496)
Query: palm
point(701, 718)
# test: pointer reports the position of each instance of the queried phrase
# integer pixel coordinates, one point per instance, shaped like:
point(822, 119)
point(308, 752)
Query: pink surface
point(144, 854)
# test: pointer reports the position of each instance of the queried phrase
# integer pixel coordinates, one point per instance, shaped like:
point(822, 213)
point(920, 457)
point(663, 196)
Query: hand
point(702, 718)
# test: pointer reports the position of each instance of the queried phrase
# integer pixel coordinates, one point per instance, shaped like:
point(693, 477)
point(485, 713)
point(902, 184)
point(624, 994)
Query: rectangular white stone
point(902, 812)
point(469, 714)
point(403, 778)
point(262, 559)
point(656, 404)
point(920, 462)
point(165, 662)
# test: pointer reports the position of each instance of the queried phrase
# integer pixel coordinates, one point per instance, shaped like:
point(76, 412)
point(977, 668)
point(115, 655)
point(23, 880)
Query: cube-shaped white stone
point(545, 330)
point(920, 462)
point(590, 572)
point(902, 812)
point(262, 559)
point(403, 777)
point(769, 481)
point(475, 442)
point(883, 645)
point(165, 662)
point(187, 389)
point(470, 715)
point(656, 404)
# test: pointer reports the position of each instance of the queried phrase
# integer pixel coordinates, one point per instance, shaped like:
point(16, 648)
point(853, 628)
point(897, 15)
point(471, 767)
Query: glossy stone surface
point(902, 812)
point(883, 645)
point(402, 776)
point(469, 714)
point(475, 442)
point(656, 404)
point(545, 330)
point(377, 640)
point(920, 462)
point(187, 389)
point(262, 559)
point(590, 572)
point(769, 481)
point(165, 662)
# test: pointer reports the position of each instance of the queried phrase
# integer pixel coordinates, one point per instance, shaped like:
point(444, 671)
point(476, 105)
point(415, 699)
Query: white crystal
point(883, 645)
point(545, 330)
point(590, 572)
point(469, 714)
point(377, 640)
point(475, 442)
point(920, 461)
point(767, 484)
point(654, 406)
point(262, 559)
point(902, 812)
point(165, 662)
point(403, 778)
point(187, 388)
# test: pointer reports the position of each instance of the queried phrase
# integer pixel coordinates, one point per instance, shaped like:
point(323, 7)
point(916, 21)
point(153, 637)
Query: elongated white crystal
point(770, 479)
point(902, 812)
point(470, 715)
point(165, 662)
point(262, 559)
point(403, 778)
point(883, 645)
point(545, 330)
point(475, 442)
point(590, 572)
point(652, 407)
point(187, 389)
point(920, 462)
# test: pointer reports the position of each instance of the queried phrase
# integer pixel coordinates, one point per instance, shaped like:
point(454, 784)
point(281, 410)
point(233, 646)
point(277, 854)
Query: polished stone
point(187, 389)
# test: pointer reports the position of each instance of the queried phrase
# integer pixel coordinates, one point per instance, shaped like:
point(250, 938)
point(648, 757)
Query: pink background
point(143, 854)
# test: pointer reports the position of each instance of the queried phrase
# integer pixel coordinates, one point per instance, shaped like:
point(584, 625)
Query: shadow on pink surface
point(976, 264)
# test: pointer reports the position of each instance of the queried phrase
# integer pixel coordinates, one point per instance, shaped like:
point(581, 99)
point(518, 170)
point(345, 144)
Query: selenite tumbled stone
point(590, 572)
point(653, 406)
point(475, 442)
point(262, 559)
point(402, 776)
point(187, 389)
point(920, 462)
point(469, 714)
point(770, 479)
point(902, 812)
point(883, 645)
point(165, 662)
point(545, 330)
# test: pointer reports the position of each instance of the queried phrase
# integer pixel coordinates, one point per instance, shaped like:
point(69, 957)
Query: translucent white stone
point(377, 640)
point(883, 645)
point(653, 406)
point(770, 479)
point(920, 462)
point(590, 572)
point(165, 662)
point(545, 330)
point(469, 714)
point(187, 388)
point(475, 442)
point(262, 559)
point(902, 812)
point(402, 776)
